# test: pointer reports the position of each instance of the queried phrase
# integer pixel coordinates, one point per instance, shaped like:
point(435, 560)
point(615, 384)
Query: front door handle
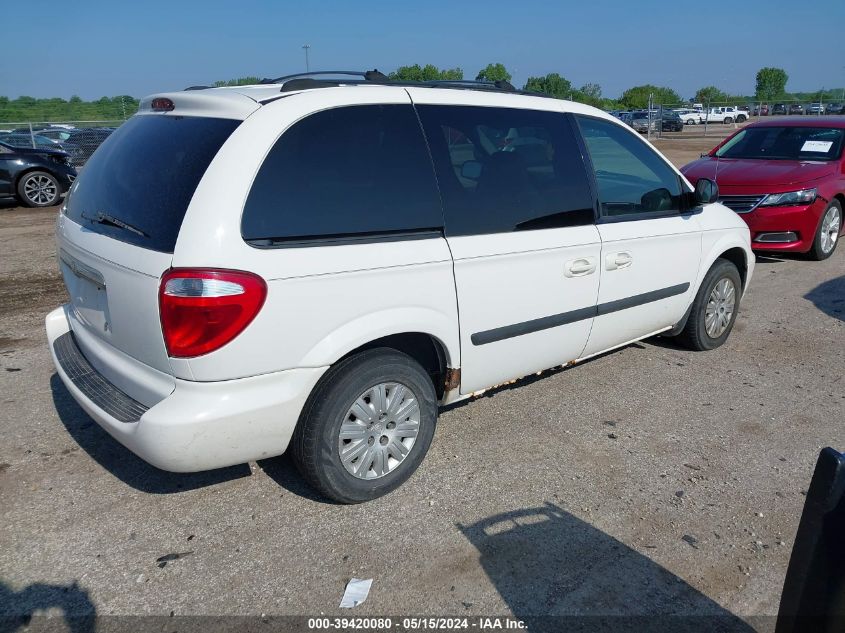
point(579, 267)
point(616, 261)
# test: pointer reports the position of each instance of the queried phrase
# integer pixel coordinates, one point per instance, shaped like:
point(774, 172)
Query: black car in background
point(796, 108)
point(671, 122)
point(779, 108)
point(83, 141)
point(36, 177)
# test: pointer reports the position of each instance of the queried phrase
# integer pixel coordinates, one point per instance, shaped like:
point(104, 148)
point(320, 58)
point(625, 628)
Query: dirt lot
point(650, 481)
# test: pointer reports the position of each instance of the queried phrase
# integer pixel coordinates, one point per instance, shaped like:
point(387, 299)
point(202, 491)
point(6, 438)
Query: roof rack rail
point(368, 75)
point(333, 78)
point(499, 84)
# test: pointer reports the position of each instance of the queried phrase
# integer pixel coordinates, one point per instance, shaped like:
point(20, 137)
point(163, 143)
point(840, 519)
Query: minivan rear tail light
point(203, 309)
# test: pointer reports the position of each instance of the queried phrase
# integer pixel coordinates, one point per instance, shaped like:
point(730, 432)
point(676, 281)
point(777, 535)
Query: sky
point(94, 49)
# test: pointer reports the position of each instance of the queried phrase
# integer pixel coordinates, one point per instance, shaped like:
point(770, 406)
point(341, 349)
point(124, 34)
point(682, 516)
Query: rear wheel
point(827, 235)
point(367, 426)
point(740, 118)
point(690, 121)
point(39, 189)
point(728, 120)
point(714, 309)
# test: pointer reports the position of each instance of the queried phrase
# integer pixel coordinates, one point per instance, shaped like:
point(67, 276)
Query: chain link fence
point(717, 119)
point(78, 138)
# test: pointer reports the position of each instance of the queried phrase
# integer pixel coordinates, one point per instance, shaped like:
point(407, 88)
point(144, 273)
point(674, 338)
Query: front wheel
point(827, 235)
point(714, 309)
point(366, 427)
point(728, 120)
point(690, 121)
point(740, 119)
point(39, 189)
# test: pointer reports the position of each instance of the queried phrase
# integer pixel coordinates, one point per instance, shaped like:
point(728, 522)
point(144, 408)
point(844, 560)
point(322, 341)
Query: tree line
point(770, 87)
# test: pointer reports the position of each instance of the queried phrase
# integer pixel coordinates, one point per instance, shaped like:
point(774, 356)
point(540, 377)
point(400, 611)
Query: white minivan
point(321, 262)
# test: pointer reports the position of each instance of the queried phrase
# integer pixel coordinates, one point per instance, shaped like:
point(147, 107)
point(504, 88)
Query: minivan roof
point(238, 102)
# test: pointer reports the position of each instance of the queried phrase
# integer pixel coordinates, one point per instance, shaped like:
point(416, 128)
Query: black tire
point(817, 252)
point(694, 335)
point(690, 122)
point(728, 120)
point(39, 189)
point(315, 443)
point(741, 118)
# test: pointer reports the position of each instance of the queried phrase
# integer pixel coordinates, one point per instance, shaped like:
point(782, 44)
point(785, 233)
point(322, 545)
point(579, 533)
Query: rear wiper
point(105, 218)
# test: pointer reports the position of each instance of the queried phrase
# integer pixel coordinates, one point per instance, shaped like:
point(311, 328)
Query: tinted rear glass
point(344, 172)
point(144, 175)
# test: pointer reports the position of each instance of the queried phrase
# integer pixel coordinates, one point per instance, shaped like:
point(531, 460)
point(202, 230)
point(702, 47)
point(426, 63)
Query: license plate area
point(88, 294)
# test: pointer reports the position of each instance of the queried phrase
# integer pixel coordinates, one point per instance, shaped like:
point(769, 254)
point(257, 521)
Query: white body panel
point(656, 254)
point(515, 278)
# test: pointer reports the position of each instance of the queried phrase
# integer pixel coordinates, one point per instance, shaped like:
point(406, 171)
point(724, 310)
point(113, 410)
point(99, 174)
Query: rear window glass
point(354, 171)
point(138, 184)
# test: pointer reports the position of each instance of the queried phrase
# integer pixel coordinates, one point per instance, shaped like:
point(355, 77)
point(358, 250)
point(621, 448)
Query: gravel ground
point(648, 481)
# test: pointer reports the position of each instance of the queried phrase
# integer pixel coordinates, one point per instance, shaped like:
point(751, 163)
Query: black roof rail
point(197, 88)
point(367, 75)
point(333, 78)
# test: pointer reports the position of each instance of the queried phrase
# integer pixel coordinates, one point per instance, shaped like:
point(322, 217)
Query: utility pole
point(307, 63)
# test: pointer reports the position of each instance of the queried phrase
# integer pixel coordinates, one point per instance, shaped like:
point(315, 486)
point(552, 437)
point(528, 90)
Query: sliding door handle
point(579, 267)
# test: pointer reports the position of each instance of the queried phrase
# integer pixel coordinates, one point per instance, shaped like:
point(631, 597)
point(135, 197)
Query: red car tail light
point(204, 309)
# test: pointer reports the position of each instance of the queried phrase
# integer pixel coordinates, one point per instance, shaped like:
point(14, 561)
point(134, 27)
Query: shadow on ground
point(829, 297)
point(556, 572)
point(120, 461)
point(17, 608)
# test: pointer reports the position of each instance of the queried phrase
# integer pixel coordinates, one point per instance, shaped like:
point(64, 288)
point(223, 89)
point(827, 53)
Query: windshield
point(785, 143)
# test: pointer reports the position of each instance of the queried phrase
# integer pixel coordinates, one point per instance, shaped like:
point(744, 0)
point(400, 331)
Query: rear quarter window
point(144, 175)
point(347, 172)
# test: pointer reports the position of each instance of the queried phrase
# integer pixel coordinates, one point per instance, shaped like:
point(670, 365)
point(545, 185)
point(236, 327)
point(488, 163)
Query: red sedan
point(786, 178)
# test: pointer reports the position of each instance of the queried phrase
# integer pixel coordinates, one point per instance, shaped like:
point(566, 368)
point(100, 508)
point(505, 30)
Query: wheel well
point(841, 198)
point(423, 348)
point(737, 257)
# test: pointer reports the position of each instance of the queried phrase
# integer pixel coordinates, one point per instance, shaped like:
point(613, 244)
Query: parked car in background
point(689, 117)
point(37, 177)
point(834, 108)
point(760, 110)
point(786, 178)
point(724, 115)
point(670, 122)
point(795, 108)
point(83, 142)
point(207, 244)
point(643, 121)
point(779, 108)
point(58, 134)
point(26, 140)
point(816, 108)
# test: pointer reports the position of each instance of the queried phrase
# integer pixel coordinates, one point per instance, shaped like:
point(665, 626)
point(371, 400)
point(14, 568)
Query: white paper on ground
point(816, 146)
point(356, 592)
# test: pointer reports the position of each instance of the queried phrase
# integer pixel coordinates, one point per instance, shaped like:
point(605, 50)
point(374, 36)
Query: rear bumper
point(800, 220)
point(200, 425)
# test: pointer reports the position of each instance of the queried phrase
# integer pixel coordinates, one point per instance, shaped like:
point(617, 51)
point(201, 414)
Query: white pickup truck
point(689, 116)
point(727, 114)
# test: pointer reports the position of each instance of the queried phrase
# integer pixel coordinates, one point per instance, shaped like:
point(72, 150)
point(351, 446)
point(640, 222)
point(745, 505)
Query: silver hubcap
point(379, 430)
point(830, 229)
point(40, 189)
point(720, 308)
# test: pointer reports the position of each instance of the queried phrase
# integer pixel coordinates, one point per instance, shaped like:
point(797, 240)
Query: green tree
point(637, 97)
point(771, 83)
point(552, 84)
point(589, 94)
point(493, 72)
point(429, 72)
point(710, 94)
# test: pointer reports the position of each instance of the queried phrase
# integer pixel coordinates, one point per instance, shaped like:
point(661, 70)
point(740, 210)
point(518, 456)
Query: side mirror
point(706, 191)
point(471, 170)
